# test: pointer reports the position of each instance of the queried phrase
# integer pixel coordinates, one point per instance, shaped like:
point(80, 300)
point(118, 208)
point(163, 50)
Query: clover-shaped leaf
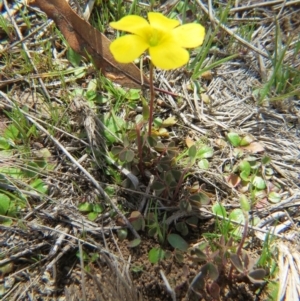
point(274, 197)
point(134, 243)
point(219, 210)
point(182, 228)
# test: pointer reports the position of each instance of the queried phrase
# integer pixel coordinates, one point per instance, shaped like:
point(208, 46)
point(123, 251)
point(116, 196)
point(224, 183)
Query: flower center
point(155, 37)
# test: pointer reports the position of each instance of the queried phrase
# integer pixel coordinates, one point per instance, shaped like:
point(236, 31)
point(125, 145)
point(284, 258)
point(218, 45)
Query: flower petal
point(127, 48)
point(168, 55)
point(189, 35)
point(159, 21)
point(133, 24)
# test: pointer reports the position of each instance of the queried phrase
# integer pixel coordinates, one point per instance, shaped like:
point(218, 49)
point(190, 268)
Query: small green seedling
point(155, 228)
point(156, 254)
point(92, 210)
point(235, 215)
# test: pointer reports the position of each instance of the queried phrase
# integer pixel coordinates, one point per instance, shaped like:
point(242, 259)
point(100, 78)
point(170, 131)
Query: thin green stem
point(151, 100)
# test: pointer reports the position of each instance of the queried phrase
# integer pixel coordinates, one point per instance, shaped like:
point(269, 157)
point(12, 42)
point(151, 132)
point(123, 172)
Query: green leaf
point(192, 221)
point(5, 221)
point(234, 139)
point(73, 57)
point(244, 175)
point(11, 171)
point(192, 152)
point(79, 72)
point(272, 290)
point(176, 174)
point(122, 234)
point(6, 153)
point(91, 95)
point(274, 197)
point(158, 122)
point(92, 87)
point(201, 198)
point(246, 140)
point(39, 186)
point(210, 270)
point(237, 215)
point(245, 167)
point(133, 94)
point(170, 121)
point(245, 205)
point(152, 141)
point(137, 268)
point(11, 132)
point(257, 275)
point(200, 254)
point(156, 254)
point(158, 186)
point(236, 261)
point(114, 126)
point(134, 243)
point(168, 177)
point(203, 164)
point(4, 204)
point(31, 170)
point(85, 207)
point(205, 152)
point(238, 153)
point(160, 147)
point(219, 210)
point(177, 242)
point(84, 255)
point(178, 256)
point(269, 171)
point(4, 144)
point(126, 155)
point(182, 228)
point(92, 216)
point(99, 208)
point(110, 190)
point(137, 220)
point(265, 160)
point(116, 150)
point(146, 110)
point(259, 182)
point(44, 153)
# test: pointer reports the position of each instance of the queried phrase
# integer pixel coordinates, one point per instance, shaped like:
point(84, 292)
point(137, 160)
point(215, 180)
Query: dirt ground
point(41, 250)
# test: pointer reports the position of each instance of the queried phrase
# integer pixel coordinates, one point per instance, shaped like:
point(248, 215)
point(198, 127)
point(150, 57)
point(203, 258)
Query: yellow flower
point(162, 37)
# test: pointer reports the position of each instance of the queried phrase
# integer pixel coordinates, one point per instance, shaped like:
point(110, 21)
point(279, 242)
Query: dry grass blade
point(20, 36)
point(108, 283)
point(289, 271)
point(230, 32)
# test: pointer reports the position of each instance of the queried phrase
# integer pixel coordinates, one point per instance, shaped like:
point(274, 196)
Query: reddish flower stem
point(151, 100)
